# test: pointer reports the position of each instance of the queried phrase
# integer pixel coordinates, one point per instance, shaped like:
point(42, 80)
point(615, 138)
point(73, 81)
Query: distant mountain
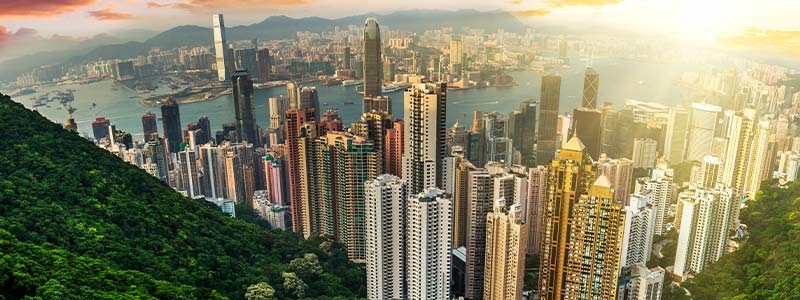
point(275, 27)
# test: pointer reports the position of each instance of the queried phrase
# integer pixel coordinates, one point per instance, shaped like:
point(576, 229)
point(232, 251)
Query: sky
point(740, 21)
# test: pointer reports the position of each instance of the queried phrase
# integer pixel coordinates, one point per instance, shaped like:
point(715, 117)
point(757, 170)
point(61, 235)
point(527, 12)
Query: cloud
point(108, 14)
point(532, 13)
point(39, 8)
point(515, 2)
point(5, 36)
point(25, 32)
point(213, 5)
point(587, 3)
point(776, 41)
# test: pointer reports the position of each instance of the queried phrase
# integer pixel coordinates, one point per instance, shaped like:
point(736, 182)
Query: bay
point(619, 80)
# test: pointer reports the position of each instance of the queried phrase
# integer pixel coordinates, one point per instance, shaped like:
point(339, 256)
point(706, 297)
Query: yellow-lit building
point(506, 236)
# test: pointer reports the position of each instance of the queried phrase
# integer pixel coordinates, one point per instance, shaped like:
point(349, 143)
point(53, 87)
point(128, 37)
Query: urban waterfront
point(620, 80)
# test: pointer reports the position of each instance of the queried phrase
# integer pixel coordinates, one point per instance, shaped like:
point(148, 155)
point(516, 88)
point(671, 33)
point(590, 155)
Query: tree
point(306, 266)
point(294, 285)
point(260, 291)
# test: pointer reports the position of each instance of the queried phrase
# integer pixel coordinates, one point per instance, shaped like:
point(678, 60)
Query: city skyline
point(729, 24)
point(559, 189)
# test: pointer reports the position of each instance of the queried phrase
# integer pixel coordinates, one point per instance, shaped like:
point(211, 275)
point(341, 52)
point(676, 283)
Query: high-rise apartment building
point(757, 160)
point(643, 283)
point(345, 163)
point(702, 126)
point(548, 118)
point(703, 233)
point(309, 98)
point(676, 134)
point(428, 242)
point(224, 60)
point(246, 129)
point(506, 236)
point(640, 221)
point(263, 64)
point(644, 153)
point(171, 118)
point(374, 125)
point(385, 203)
point(574, 163)
point(425, 133)
point(190, 176)
point(373, 68)
point(595, 245)
point(505, 252)
point(620, 173)
point(535, 208)
point(393, 149)
point(662, 186)
point(295, 130)
point(457, 176)
point(591, 85)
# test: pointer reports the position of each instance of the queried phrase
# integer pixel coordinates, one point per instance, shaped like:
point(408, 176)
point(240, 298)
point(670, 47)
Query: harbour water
point(619, 80)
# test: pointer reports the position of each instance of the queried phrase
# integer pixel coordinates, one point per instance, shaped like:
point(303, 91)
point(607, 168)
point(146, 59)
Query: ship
point(352, 82)
point(331, 81)
point(394, 87)
point(23, 92)
point(504, 81)
point(349, 102)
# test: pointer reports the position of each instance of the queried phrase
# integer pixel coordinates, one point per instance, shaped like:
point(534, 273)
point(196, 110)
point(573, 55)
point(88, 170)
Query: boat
point(23, 92)
point(349, 102)
point(331, 81)
point(394, 87)
point(352, 82)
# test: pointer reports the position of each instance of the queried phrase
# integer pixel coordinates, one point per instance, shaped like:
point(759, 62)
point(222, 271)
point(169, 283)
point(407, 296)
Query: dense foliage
point(767, 266)
point(92, 214)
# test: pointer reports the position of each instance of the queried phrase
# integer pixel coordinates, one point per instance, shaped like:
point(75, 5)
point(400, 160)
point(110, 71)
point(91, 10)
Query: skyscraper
point(644, 153)
point(675, 136)
point(640, 221)
point(587, 124)
point(379, 104)
point(535, 208)
point(703, 232)
point(293, 93)
point(245, 110)
point(149, 125)
point(309, 98)
point(595, 243)
point(385, 199)
point(171, 118)
point(620, 173)
point(224, 61)
point(573, 163)
point(425, 135)
point(294, 132)
point(661, 184)
point(505, 252)
point(702, 125)
point(480, 189)
point(263, 64)
point(345, 163)
point(374, 126)
point(428, 240)
point(456, 56)
point(525, 131)
point(373, 68)
point(496, 135)
point(591, 83)
point(393, 150)
point(547, 134)
point(100, 128)
point(245, 59)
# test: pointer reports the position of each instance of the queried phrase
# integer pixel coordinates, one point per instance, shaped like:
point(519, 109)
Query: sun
point(706, 19)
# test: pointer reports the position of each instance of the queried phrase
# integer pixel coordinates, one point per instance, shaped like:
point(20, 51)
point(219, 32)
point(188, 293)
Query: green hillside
point(76, 220)
point(767, 266)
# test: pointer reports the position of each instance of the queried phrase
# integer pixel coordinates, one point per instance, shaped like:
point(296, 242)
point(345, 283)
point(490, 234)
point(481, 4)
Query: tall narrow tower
point(171, 117)
point(373, 68)
point(224, 61)
point(548, 118)
point(591, 84)
point(505, 252)
point(425, 135)
point(243, 103)
point(568, 177)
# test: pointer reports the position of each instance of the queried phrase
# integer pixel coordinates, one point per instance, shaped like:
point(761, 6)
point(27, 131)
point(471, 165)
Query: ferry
point(352, 82)
point(349, 102)
point(394, 87)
